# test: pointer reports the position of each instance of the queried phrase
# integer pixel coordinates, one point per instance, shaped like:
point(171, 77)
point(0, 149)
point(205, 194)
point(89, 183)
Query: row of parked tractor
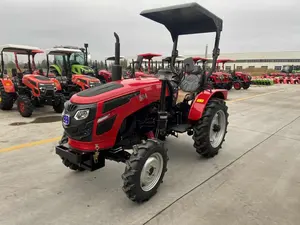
point(283, 78)
point(70, 73)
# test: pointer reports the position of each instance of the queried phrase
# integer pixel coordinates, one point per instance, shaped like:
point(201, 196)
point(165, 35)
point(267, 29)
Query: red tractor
point(61, 71)
point(105, 75)
point(26, 88)
point(239, 79)
point(102, 123)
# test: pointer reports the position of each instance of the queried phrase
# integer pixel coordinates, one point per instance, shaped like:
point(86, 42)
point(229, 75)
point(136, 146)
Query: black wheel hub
point(216, 128)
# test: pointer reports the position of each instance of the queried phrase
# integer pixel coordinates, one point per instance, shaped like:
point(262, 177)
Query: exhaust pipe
point(116, 68)
point(86, 45)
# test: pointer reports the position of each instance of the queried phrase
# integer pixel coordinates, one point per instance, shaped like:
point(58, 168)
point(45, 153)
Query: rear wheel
point(25, 106)
point(237, 85)
point(58, 104)
point(6, 99)
point(210, 130)
point(145, 170)
point(246, 85)
point(229, 86)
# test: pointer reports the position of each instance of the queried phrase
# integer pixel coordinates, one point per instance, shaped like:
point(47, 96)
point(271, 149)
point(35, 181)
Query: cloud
point(249, 25)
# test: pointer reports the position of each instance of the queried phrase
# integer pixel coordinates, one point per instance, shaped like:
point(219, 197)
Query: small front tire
point(145, 170)
point(246, 85)
point(237, 85)
point(25, 106)
point(58, 103)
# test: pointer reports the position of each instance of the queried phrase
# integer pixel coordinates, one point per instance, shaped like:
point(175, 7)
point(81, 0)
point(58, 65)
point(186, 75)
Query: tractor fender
point(57, 84)
point(8, 85)
point(201, 101)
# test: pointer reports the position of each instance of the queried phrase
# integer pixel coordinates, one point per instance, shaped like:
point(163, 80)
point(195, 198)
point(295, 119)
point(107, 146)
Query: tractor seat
point(197, 70)
point(190, 83)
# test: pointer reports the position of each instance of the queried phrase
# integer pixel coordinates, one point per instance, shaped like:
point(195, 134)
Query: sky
point(248, 26)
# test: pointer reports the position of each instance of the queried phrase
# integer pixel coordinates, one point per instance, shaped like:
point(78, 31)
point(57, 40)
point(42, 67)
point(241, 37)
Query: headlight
point(42, 89)
point(82, 114)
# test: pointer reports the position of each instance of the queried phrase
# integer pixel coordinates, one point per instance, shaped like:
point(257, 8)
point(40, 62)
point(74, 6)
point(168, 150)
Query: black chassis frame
point(179, 20)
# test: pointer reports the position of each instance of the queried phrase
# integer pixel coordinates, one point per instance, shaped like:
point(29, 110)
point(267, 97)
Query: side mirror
point(188, 65)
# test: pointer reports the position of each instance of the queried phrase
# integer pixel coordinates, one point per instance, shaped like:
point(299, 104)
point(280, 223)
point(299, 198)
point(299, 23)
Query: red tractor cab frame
point(105, 75)
point(26, 88)
point(70, 83)
point(149, 57)
point(102, 123)
point(33, 65)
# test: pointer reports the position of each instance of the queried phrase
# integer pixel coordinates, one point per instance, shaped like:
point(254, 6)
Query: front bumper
point(86, 160)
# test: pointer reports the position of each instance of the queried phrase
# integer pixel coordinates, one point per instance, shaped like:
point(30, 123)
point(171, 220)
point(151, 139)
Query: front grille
point(49, 93)
point(70, 107)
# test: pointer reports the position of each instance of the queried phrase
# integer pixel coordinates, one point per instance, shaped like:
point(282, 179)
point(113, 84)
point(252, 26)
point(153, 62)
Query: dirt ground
point(255, 178)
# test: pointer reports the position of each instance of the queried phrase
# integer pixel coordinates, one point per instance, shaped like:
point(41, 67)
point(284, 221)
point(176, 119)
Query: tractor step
point(181, 128)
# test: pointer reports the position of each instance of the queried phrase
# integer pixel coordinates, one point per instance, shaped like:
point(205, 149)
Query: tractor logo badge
point(142, 97)
point(66, 119)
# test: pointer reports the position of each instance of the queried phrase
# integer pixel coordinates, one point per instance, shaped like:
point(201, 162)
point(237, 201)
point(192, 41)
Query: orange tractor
point(25, 87)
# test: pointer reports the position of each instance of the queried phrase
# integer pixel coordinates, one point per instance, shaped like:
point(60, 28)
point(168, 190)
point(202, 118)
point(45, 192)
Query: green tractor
point(78, 60)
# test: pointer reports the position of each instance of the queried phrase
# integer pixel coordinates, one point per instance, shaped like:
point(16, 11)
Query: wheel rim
point(217, 129)
point(237, 85)
point(151, 171)
point(0, 97)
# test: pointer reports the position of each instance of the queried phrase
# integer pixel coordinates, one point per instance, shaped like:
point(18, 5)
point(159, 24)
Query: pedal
point(181, 128)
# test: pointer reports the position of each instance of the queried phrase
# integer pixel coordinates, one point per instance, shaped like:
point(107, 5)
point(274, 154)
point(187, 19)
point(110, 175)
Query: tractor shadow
point(38, 120)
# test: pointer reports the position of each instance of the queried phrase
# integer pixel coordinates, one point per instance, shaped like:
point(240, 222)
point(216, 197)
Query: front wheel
point(58, 103)
point(237, 85)
point(210, 130)
point(246, 85)
point(25, 106)
point(145, 170)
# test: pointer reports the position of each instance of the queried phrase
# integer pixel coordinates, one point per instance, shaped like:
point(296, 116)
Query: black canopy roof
point(190, 18)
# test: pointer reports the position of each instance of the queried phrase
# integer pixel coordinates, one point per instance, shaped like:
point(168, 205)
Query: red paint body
point(79, 78)
point(8, 85)
point(149, 87)
point(105, 74)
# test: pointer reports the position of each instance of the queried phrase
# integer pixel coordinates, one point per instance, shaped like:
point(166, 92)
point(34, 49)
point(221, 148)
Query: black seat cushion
point(190, 83)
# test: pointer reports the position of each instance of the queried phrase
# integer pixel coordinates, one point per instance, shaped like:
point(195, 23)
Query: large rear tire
point(211, 129)
point(25, 106)
point(6, 99)
point(145, 170)
point(246, 85)
point(229, 86)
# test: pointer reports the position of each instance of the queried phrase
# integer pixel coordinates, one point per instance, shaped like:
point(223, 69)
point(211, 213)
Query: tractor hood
point(116, 89)
point(37, 79)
